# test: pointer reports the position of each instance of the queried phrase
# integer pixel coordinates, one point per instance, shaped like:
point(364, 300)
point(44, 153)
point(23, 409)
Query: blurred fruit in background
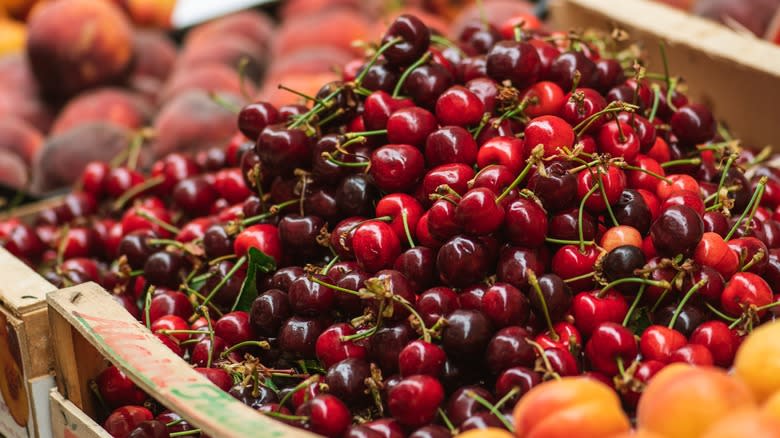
point(12, 36)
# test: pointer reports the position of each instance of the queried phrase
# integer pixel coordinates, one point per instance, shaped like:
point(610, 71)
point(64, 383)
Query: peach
point(13, 171)
point(489, 432)
point(17, 8)
point(683, 401)
point(252, 25)
point(193, 121)
point(556, 408)
point(12, 36)
point(296, 8)
point(104, 104)
point(758, 360)
point(334, 27)
point(150, 13)
point(155, 54)
point(638, 433)
point(305, 83)
point(496, 11)
point(745, 424)
point(21, 138)
point(64, 155)
point(77, 44)
point(228, 51)
point(772, 406)
point(28, 108)
point(212, 78)
point(315, 59)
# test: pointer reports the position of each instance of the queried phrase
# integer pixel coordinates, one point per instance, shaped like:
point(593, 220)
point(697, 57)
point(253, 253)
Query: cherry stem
point(757, 257)
point(684, 301)
point(224, 280)
point(447, 421)
point(206, 315)
point(445, 190)
point(657, 283)
point(298, 387)
point(656, 100)
point(719, 314)
point(752, 206)
point(137, 190)
point(423, 59)
point(620, 366)
point(492, 408)
point(182, 332)
point(147, 306)
point(566, 242)
point(334, 287)
point(405, 219)
point(261, 344)
point(438, 39)
point(271, 211)
point(353, 135)
point(221, 101)
point(685, 161)
point(330, 117)
point(634, 303)
point(580, 231)
point(330, 264)
point(315, 109)
point(538, 150)
point(544, 358)
point(375, 58)
point(724, 172)
point(606, 199)
point(508, 396)
point(612, 107)
point(198, 295)
point(174, 422)
point(287, 417)
point(623, 165)
point(134, 150)
point(213, 262)
point(184, 433)
point(328, 156)
point(298, 93)
point(534, 282)
point(160, 223)
point(520, 108)
point(579, 277)
point(768, 306)
point(621, 134)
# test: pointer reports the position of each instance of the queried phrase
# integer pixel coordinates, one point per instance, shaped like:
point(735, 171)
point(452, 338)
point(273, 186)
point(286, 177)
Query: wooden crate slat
point(21, 288)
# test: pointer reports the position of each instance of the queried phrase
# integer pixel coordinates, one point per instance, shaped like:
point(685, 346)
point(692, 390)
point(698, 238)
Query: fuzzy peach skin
point(108, 104)
point(21, 138)
point(556, 408)
point(683, 401)
point(758, 360)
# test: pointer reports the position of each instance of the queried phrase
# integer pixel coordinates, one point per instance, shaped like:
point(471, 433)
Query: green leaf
point(640, 320)
point(258, 262)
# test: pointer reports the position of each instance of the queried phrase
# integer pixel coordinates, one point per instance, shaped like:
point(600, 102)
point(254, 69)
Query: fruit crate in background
point(25, 357)
point(737, 75)
point(90, 330)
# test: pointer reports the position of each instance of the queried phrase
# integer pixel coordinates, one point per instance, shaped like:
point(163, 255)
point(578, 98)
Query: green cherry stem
point(718, 313)
point(534, 282)
point(606, 200)
point(657, 283)
point(375, 58)
point(423, 59)
point(492, 408)
point(634, 303)
point(579, 216)
point(682, 162)
point(752, 206)
point(685, 299)
point(261, 344)
point(579, 277)
point(407, 231)
point(239, 263)
point(535, 155)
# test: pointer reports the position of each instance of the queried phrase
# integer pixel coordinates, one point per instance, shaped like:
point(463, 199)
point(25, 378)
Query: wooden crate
point(89, 330)
point(738, 75)
point(68, 421)
point(25, 358)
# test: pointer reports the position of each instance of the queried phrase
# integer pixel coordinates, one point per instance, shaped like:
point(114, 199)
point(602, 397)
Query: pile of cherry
point(450, 225)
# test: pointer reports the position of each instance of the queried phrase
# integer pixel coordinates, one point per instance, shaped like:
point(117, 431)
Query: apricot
point(212, 78)
point(13, 171)
point(155, 54)
point(254, 26)
point(105, 104)
point(193, 121)
point(489, 432)
point(21, 138)
point(745, 424)
point(334, 27)
point(64, 155)
point(682, 401)
point(228, 51)
point(77, 44)
point(638, 433)
point(772, 406)
point(305, 83)
point(12, 36)
point(556, 408)
point(757, 361)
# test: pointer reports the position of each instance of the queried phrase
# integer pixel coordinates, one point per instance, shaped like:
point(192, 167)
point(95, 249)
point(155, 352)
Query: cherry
point(401, 208)
point(421, 357)
point(206, 352)
point(678, 182)
point(658, 342)
point(521, 378)
point(410, 125)
point(264, 237)
point(396, 167)
point(618, 139)
point(164, 268)
point(478, 212)
point(610, 73)
point(515, 61)
point(610, 343)
point(426, 83)
point(477, 37)
point(121, 179)
point(556, 297)
point(505, 305)
point(123, 420)
point(690, 317)
point(714, 252)
point(462, 404)
point(459, 106)
point(386, 344)
point(589, 310)
point(414, 38)
point(562, 362)
point(509, 348)
point(171, 322)
point(645, 131)
point(379, 77)
point(750, 249)
point(418, 265)
point(507, 151)
point(454, 175)
point(195, 195)
point(81, 204)
point(743, 290)
point(386, 427)
point(693, 124)
point(677, 231)
point(514, 263)
point(525, 223)
point(684, 197)
point(436, 303)
point(450, 144)
point(327, 415)
point(150, 429)
point(497, 127)
point(375, 245)
point(462, 261)
point(486, 90)
point(546, 99)
point(612, 180)
point(169, 303)
point(642, 375)
point(621, 262)
point(582, 104)
point(642, 180)
point(431, 431)
point(555, 187)
point(552, 132)
point(393, 282)
point(231, 284)
point(693, 354)
point(467, 332)
point(117, 389)
point(713, 283)
point(415, 399)
point(22, 241)
point(353, 280)
point(563, 70)
point(719, 339)
point(300, 233)
point(283, 148)
point(632, 210)
point(234, 327)
point(346, 380)
point(568, 337)
point(298, 335)
point(93, 177)
point(217, 376)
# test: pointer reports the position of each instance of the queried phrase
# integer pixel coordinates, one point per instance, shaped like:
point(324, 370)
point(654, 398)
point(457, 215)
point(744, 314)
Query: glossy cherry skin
point(415, 38)
point(461, 405)
point(505, 305)
point(641, 180)
point(93, 177)
point(375, 245)
point(713, 251)
point(613, 181)
point(693, 354)
point(748, 249)
point(254, 117)
point(420, 357)
point(693, 124)
point(458, 106)
point(525, 223)
point(478, 212)
point(386, 344)
point(745, 289)
point(609, 343)
point(568, 337)
point(150, 429)
point(169, 303)
point(346, 380)
point(398, 205)
point(562, 362)
point(234, 327)
point(618, 139)
point(284, 148)
point(509, 348)
point(396, 167)
point(298, 335)
point(552, 132)
point(467, 332)
point(415, 399)
point(719, 339)
point(378, 107)
point(450, 144)
point(581, 105)
point(117, 389)
point(557, 188)
point(563, 68)
point(643, 373)
point(136, 248)
point(515, 61)
point(462, 261)
point(590, 310)
point(410, 125)
point(677, 231)
point(121, 179)
point(327, 415)
point(22, 241)
point(507, 151)
point(486, 90)
point(426, 83)
point(658, 343)
point(548, 99)
point(123, 420)
point(455, 175)
point(418, 265)
point(514, 263)
point(264, 237)
point(436, 303)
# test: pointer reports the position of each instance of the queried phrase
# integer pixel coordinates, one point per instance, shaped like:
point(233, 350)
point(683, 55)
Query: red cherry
point(168, 302)
point(328, 415)
point(378, 107)
point(415, 399)
point(376, 246)
point(618, 139)
point(552, 132)
point(568, 337)
point(745, 289)
point(121, 179)
point(254, 117)
point(217, 376)
point(581, 105)
point(450, 144)
point(93, 177)
point(397, 205)
point(719, 339)
point(713, 251)
point(421, 357)
point(234, 327)
point(123, 420)
point(171, 322)
point(678, 182)
point(590, 310)
point(562, 362)
point(748, 249)
point(569, 262)
point(547, 99)
point(525, 223)
point(613, 181)
point(194, 229)
point(134, 219)
point(505, 305)
point(609, 343)
point(117, 389)
point(230, 185)
point(684, 197)
point(264, 237)
point(693, 124)
point(658, 343)
point(643, 180)
point(644, 372)
point(459, 106)
point(396, 167)
point(508, 151)
point(331, 348)
point(660, 151)
point(692, 354)
point(173, 168)
point(478, 212)
point(410, 125)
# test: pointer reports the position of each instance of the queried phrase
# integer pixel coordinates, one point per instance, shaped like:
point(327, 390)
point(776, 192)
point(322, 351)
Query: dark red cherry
point(396, 167)
point(458, 106)
point(414, 38)
point(386, 344)
point(612, 180)
point(327, 415)
point(298, 335)
point(421, 357)
point(486, 90)
point(375, 245)
point(150, 429)
point(284, 148)
point(254, 117)
point(418, 265)
point(195, 195)
point(514, 263)
point(516, 377)
point(525, 223)
point(347, 380)
point(582, 104)
point(462, 404)
point(676, 231)
point(467, 332)
point(426, 83)
point(454, 175)
point(436, 303)
point(450, 144)
point(505, 305)
point(415, 400)
point(564, 67)
point(462, 261)
point(515, 61)
point(693, 124)
point(122, 421)
point(310, 298)
point(478, 212)
point(410, 125)
point(610, 73)
point(269, 311)
point(509, 348)
point(117, 389)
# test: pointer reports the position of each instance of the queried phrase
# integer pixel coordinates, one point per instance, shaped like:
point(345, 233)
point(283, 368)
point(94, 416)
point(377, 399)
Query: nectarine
point(210, 77)
point(21, 138)
point(252, 25)
point(155, 54)
point(228, 51)
point(113, 105)
point(335, 27)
